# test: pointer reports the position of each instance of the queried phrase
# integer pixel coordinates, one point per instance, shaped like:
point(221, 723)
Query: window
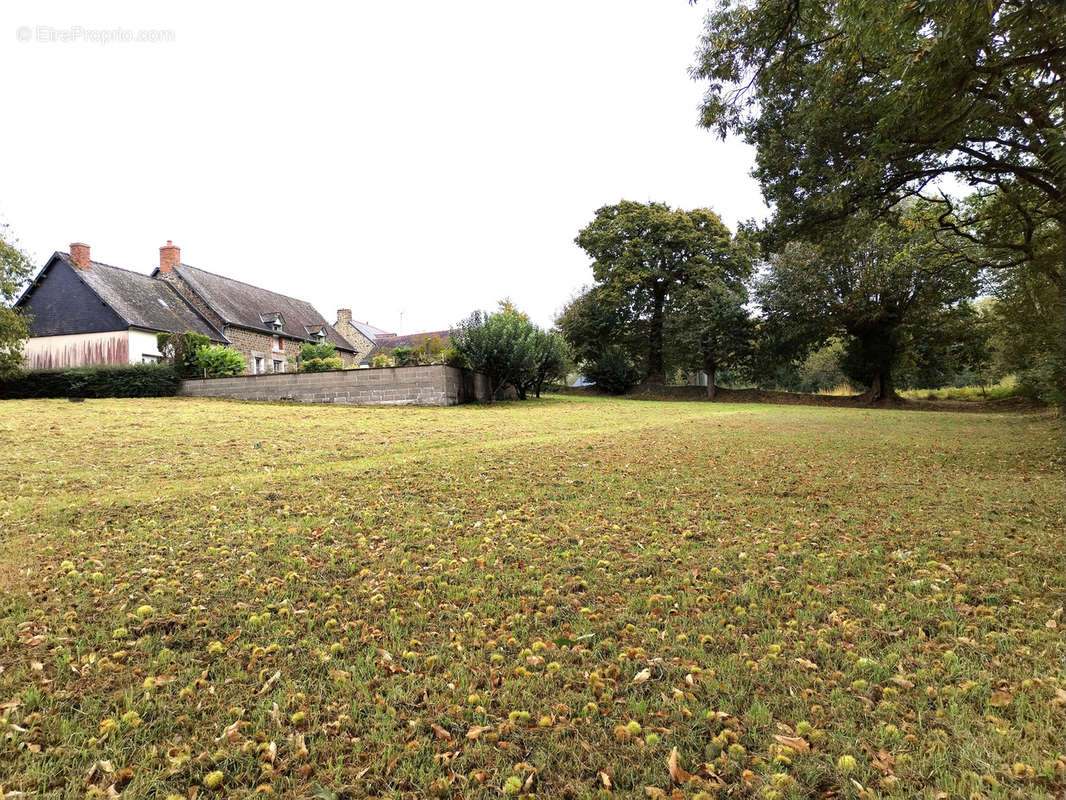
point(279, 366)
point(278, 344)
point(257, 366)
point(148, 358)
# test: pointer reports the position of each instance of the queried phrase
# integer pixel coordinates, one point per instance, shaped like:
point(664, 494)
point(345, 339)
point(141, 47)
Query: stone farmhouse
point(85, 313)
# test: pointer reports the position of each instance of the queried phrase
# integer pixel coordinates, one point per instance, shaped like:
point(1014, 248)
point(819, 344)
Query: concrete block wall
point(392, 386)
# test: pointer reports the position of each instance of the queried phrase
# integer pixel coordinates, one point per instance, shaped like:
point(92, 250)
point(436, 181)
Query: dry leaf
point(902, 683)
point(655, 793)
point(676, 772)
point(273, 679)
point(441, 732)
point(477, 730)
point(605, 779)
point(1000, 699)
point(805, 663)
point(884, 761)
point(797, 743)
point(642, 676)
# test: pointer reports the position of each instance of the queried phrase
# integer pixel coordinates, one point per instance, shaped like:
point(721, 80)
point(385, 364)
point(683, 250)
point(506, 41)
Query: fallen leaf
point(477, 730)
point(676, 772)
point(655, 793)
point(642, 676)
point(273, 679)
point(902, 683)
point(441, 732)
point(797, 743)
point(805, 663)
point(1000, 699)
point(605, 779)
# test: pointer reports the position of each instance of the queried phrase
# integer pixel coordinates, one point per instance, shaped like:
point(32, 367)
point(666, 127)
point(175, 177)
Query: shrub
point(453, 358)
point(134, 380)
point(381, 360)
point(180, 349)
point(218, 361)
point(405, 357)
point(500, 346)
point(310, 351)
point(613, 372)
point(321, 364)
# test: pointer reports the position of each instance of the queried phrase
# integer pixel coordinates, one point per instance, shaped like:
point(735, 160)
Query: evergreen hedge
point(135, 380)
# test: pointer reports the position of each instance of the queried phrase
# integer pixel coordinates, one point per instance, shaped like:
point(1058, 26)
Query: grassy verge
point(209, 598)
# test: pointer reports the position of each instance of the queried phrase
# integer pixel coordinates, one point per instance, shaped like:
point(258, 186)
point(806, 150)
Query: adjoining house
point(370, 341)
point(85, 312)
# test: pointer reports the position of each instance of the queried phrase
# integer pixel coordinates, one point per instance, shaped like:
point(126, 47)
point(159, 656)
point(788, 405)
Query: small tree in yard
point(550, 360)
point(613, 371)
point(712, 330)
point(405, 357)
point(218, 361)
point(180, 349)
point(500, 346)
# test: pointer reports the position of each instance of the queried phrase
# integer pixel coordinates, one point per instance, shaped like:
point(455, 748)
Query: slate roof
point(143, 301)
point(239, 303)
point(368, 330)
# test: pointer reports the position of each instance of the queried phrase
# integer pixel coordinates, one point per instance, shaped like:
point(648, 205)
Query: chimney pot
point(169, 256)
point(79, 254)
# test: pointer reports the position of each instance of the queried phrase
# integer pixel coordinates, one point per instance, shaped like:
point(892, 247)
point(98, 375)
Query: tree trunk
point(710, 370)
point(881, 387)
point(656, 368)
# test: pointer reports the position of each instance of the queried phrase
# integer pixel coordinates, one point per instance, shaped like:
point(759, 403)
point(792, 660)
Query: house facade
point(85, 312)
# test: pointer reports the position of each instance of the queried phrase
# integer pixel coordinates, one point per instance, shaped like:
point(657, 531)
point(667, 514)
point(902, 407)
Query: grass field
point(571, 597)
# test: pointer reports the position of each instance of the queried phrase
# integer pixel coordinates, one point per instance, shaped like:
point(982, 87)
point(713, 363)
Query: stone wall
point(393, 386)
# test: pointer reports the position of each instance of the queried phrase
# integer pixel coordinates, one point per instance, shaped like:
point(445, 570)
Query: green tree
point(549, 360)
point(218, 361)
point(321, 350)
point(405, 356)
point(856, 105)
point(591, 323)
point(15, 269)
point(180, 349)
point(644, 253)
point(613, 371)
point(867, 284)
point(500, 346)
point(711, 329)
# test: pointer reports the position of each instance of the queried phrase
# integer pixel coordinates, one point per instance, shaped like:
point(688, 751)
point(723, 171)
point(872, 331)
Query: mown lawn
point(214, 599)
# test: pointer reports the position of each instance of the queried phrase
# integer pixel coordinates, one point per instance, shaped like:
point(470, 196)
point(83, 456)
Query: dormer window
point(321, 335)
point(274, 320)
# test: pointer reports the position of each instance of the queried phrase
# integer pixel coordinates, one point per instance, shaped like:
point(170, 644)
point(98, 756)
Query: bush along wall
point(135, 380)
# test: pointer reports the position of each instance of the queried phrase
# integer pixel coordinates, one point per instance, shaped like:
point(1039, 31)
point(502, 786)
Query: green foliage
point(15, 269)
point(501, 347)
point(613, 372)
point(855, 105)
point(381, 360)
point(218, 361)
point(453, 358)
point(406, 357)
point(549, 360)
point(712, 330)
point(643, 254)
point(321, 364)
point(180, 349)
point(322, 350)
point(867, 286)
point(134, 380)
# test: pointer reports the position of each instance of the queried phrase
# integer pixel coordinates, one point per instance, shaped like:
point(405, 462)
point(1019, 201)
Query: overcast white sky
point(416, 157)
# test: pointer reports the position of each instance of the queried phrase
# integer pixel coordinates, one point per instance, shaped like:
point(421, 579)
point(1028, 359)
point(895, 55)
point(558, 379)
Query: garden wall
point(390, 386)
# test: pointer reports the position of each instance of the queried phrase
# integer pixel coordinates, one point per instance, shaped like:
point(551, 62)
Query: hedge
point(135, 380)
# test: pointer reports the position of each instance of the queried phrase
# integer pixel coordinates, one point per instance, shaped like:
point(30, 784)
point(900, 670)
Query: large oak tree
point(643, 254)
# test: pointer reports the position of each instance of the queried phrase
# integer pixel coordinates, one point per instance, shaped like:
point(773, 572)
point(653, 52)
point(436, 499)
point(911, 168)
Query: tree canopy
point(15, 270)
point(643, 254)
point(869, 283)
point(854, 106)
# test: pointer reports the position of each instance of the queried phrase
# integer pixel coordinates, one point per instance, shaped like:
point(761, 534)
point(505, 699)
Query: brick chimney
point(169, 256)
point(344, 315)
point(79, 254)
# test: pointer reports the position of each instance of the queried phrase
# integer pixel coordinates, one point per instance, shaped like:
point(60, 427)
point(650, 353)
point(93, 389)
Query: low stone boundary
point(436, 385)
